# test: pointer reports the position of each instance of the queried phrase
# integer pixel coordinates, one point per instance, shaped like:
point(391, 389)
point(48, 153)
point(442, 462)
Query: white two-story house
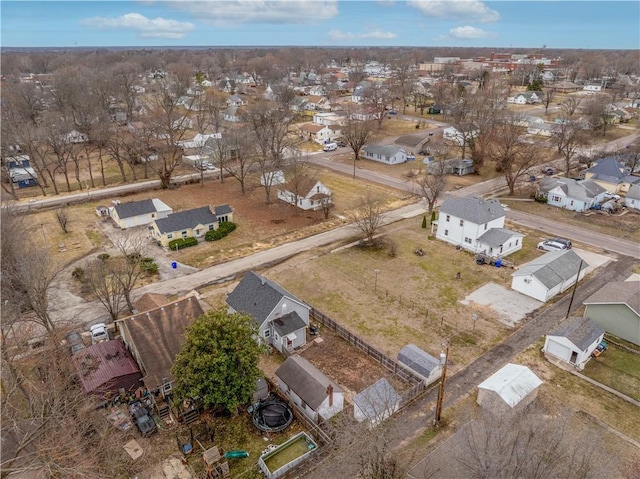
point(477, 225)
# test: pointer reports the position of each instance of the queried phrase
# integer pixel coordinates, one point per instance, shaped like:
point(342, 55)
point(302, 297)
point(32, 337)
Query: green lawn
point(617, 368)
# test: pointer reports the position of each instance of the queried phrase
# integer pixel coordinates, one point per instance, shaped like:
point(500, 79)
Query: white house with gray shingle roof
point(192, 223)
point(477, 225)
point(387, 154)
point(313, 392)
point(305, 193)
point(281, 318)
point(548, 275)
point(574, 195)
point(138, 213)
point(574, 341)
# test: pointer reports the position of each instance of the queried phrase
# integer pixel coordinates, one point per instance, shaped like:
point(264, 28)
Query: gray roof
point(289, 323)
point(498, 236)
point(306, 380)
point(186, 219)
point(612, 171)
point(553, 268)
point(471, 208)
point(634, 192)
point(412, 141)
point(377, 399)
point(618, 292)
point(222, 210)
point(418, 360)
point(580, 331)
point(135, 208)
point(384, 150)
point(257, 296)
point(583, 190)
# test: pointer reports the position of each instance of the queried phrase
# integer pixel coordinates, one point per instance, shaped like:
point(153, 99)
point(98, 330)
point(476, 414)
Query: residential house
point(526, 121)
point(387, 154)
point(574, 195)
point(155, 338)
point(360, 92)
point(75, 137)
point(413, 143)
point(461, 134)
point(421, 362)
point(236, 100)
point(548, 275)
point(573, 341)
point(612, 175)
point(540, 129)
point(193, 223)
point(272, 178)
point(298, 104)
point(376, 403)
point(20, 172)
point(317, 396)
point(616, 307)
point(457, 166)
point(105, 368)
point(233, 114)
point(468, 223)
point(565, 86)
point(305, 193)
point(526, 98)
point(592, 87)
point(227, 85)
point(315, 102)
point(200, 140)
point(327, 118)
point(510, 389)
point(281, 318)
point(315, 132)
point(139, 213)
point(632, 199)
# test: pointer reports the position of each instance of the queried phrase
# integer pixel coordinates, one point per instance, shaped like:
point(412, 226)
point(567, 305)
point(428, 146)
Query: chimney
point(330, 394)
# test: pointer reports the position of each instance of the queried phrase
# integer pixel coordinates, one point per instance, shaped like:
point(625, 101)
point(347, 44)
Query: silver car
point(549, 245)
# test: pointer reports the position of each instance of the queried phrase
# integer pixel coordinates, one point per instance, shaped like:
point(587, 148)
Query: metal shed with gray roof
point(421, 362)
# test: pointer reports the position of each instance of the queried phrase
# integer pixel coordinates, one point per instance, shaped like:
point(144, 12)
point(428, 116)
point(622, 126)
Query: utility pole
point(443, 378)
point(575, 286)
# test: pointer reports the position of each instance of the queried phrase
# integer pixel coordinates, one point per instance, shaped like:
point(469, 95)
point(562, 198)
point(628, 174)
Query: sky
point(456, 23)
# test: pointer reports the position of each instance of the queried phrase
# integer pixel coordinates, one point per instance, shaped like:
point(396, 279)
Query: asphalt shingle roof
point(609, 170)
point(418, 360)
point(186, 219)
point(385, 150)
point(583, 190)
point(553, 268)
point(257, 296)
point(470, 208)
point(498, 236)
point(580, 331)
point(618, 292)
point(306, 380)
point(377, 400)
point(289, 323)
point(135, 208)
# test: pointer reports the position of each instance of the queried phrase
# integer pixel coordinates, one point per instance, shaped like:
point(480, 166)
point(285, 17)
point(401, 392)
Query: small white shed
point(421, 362)
point(376, 403)
point(512, 387)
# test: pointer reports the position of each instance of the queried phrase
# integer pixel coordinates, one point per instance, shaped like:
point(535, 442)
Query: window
point(448, 218)
point(485, 226)
point(169, 236)
point(446, 232)
point(517, 241)
point(266, 333)
point(184, 234)
point(555, 198)
point(276, 337)
point(461, 222)
point(211, 228)
point(571, 203)
point(467, 240)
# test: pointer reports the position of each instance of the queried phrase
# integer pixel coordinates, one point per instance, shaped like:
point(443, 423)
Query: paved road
point(413, 420)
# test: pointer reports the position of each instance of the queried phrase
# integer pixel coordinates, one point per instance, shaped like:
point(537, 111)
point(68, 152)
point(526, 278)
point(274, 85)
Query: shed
point(574, 341)
point(421, 362)
point(376, 403)
point(106, 367)
point(511, 388)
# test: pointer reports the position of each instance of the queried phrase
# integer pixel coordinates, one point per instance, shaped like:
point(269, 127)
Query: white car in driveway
point(99, 333)
point(549, 245)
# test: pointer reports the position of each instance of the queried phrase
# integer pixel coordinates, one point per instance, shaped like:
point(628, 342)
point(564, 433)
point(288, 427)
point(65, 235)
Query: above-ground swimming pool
point(285, 457)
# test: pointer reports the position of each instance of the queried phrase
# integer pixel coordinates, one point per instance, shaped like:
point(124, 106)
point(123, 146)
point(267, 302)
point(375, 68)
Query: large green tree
point(219, 360)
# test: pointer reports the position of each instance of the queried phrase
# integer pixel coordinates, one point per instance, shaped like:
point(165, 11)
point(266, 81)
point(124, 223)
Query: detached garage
point(574, 341)
point(511, 388)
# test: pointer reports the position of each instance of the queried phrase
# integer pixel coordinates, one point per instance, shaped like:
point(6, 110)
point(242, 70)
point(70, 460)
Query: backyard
point(617, 368)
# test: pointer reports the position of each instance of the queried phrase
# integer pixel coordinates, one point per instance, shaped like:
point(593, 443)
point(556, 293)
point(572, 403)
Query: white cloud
point(145, 27)
point(258, 11)
point(473, 10)
point(467, 33)
point(373, 35)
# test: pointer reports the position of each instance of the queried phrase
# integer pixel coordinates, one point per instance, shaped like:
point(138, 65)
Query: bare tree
point(299, 178)
point(62, 215)
point(356, 133)
point(367, 217)
point(433, 183)
point(596, 112)
point(568, 137)
point(549, 94)
point(570, 105)
point(102, 280)
point(245, 157)
point(126, 270)
point(376, 98)
point(514, 157)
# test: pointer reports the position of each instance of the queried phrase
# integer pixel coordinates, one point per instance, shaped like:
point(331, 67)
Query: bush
point(149, 266)
point(104, 257)
point(541, 199)
point(181, 243)
point(223, 230)
point(78, 273)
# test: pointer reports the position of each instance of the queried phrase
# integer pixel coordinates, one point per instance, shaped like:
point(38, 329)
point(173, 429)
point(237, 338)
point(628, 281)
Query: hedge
point(182, 243)
point(223, 230)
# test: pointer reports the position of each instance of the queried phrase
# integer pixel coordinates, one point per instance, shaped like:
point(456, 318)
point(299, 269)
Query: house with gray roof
point(193, 223)
point(376, 403)
point(317, 396)
point(138, 213)
point(387, 154)
point(612, 175)
point(574, 195)
point(632, 198)
point(573, 341)
point(281, 318)
point(548, 275)
point(616, 307)
point(420, 362)
point(468, 223)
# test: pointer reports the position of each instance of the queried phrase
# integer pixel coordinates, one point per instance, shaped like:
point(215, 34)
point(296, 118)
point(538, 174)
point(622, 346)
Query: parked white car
point(549, 245)
point(99, 333)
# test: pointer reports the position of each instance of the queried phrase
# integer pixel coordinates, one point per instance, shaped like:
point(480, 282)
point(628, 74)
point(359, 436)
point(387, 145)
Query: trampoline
point(272, 415)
